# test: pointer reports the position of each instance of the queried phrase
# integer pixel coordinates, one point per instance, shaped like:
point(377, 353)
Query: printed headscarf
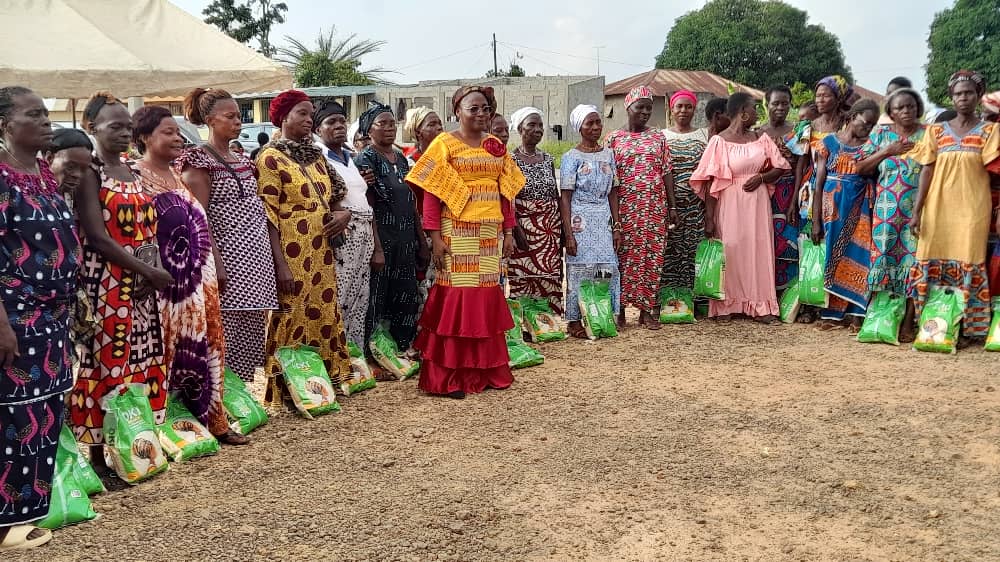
point(282, 105)
point(520, 115)
point(838, 85)
point(683, 94)
point(991, 102)
point(579, 115)
point(638, 93)
point(970, 76)
point(414, 118)
point(463, 91)
point(326, 109)
point(367, 118)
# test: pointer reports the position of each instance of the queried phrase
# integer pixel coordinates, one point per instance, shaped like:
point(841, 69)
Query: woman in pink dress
point(736, 177)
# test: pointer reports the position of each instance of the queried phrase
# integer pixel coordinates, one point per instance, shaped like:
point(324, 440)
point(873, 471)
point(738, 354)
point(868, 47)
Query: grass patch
point(557, 149)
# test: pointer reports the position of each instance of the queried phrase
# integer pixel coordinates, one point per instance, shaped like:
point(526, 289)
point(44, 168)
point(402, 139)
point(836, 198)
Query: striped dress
point(682, 242)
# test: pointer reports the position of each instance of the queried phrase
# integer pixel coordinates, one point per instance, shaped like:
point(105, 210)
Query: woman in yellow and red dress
point(468, 181)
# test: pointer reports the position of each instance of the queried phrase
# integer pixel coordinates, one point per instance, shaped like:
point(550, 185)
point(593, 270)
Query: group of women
point(165, 270)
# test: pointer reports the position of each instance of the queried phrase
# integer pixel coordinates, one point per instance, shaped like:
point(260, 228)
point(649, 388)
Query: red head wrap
point(282, 105)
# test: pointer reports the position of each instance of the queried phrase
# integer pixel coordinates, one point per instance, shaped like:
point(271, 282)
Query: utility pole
point(599, 47)
point(495, 69)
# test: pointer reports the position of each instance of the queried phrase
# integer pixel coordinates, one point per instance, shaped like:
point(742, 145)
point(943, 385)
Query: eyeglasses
point(477, 110)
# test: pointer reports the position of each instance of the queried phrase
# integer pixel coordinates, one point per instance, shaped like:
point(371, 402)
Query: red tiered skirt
point(462, 337)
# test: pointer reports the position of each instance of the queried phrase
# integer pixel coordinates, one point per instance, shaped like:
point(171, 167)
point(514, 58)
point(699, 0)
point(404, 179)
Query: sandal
point(827, 326)
point(723, 319)
point(232, 438)
point(23, 537)
point(576, 330)
point(768, 320)
point(806, 317)
point(650, 323)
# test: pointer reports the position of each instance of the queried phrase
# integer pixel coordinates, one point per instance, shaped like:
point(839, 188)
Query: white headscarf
point(579, 114)
point(520, 115)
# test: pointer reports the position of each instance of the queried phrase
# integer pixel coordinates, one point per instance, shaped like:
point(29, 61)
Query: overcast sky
point(880, 38)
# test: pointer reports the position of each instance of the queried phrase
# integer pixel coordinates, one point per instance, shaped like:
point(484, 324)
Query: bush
point(556, 149)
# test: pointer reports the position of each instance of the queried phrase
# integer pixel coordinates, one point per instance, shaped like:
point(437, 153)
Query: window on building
point(246, 111)
point(423, 102)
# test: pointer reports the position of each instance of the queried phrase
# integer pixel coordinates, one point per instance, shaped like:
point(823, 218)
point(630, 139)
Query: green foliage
point(802, 94)
point(964, 36)
point(756, 42)
point(333, 62)
point(239, 21)
point(514, 70)
point(556, 149)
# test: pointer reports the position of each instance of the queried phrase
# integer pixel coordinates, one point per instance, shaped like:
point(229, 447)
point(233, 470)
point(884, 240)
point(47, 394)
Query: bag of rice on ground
point(788, 305)
point(130, 443)
point(68, 499)
point(676, 305)
point(386, 354)
point(596, 312)
point(69, 451)
point(993, 336)
point(710, 270)
point(244, 411)
point(940, 319)
point(307, 381)
point(541, 323)
point(882, 319)
point(361, 374)
point(515, 334)
point(182, 436)
point(812, 265)
point(521, 354)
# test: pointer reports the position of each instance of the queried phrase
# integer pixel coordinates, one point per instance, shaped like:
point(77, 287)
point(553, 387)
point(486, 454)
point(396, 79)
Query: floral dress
point(642, 159)
point(537, 272)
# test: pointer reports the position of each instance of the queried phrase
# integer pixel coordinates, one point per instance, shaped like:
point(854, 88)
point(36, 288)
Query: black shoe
point(457, 395)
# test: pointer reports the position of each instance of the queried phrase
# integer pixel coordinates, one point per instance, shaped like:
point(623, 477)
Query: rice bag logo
point(132, 416)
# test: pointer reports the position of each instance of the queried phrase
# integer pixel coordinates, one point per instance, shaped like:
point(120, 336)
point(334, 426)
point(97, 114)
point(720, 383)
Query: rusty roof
point(663, 82)
point(866, 93)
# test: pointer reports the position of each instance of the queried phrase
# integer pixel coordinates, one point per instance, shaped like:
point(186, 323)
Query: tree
point(333, 62)
point(802, 94)
point(759, 43)
point(964, 36)
point(239, 22)
point(514, 70)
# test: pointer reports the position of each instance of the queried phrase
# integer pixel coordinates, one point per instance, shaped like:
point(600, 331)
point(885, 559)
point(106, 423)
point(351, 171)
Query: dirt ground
point(702, 442)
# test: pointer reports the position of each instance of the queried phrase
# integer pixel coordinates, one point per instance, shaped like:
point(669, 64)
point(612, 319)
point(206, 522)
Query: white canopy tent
point(73, 48)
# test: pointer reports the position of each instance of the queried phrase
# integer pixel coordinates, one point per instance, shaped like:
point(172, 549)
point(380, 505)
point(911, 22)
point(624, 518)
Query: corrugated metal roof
point(866, 93)
point(663, 82)
point(319, 92)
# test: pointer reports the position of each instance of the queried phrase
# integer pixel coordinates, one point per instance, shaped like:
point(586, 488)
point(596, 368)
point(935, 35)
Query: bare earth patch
point(704, 442)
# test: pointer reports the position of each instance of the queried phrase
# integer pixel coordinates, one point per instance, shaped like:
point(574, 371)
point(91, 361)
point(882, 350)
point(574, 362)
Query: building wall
point(555, 95)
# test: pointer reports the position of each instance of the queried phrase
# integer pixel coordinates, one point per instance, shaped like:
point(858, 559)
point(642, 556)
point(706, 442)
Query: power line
point(573, 56)
point(546, 63)
point(474, 47)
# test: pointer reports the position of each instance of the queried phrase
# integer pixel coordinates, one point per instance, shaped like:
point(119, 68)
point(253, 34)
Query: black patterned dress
point(39, 260)
point(394, 297)
point(538, 271)
point(682, 242)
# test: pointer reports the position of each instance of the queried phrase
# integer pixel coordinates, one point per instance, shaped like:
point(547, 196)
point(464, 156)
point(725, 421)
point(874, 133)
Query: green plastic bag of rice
point(596, 311)
point(361, 377)
point(882, 319)
point(69, 452)
point(940, 319)
point(130, 443)
point(788, 305)
point(386, 354)
point(993, 336)
point(516, 334)
point(540, 322)
point(244, 411)
point(307, 381)
point(523, 355)
point(676, 305)
point(812, 265)
point(182, 436)
point(710, 270)
point(68, 499)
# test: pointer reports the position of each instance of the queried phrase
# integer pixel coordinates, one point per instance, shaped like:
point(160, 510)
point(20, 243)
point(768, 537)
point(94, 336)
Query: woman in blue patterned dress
point(589, 208)
point(894, 246)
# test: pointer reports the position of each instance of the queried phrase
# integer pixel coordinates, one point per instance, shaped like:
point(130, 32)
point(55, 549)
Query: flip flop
point(17, 538)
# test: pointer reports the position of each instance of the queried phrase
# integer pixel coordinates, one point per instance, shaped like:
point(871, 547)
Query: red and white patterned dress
point(642, 159)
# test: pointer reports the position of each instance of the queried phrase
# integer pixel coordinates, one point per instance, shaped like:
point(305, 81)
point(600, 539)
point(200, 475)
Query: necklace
point(159, 180)
point(38, 172)
point(588, 148)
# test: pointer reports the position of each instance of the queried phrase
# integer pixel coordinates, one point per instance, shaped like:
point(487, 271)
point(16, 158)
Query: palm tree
point(341, 57)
